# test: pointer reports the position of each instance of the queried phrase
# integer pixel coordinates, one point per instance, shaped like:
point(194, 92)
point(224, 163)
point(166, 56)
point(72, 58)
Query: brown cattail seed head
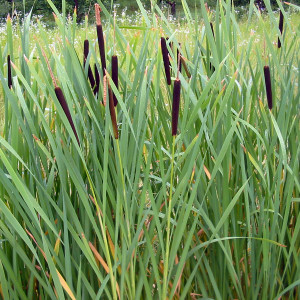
point(175, 108)
point(101, 47)
point(61, 98)
point(9, 76)
point(114, 75)
point(86, 50)
point(164, 51)
point(112, 112)
point(268, 86)
point(280, 28)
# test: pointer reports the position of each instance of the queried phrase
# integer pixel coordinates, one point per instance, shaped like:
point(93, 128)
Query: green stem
point(166, 263)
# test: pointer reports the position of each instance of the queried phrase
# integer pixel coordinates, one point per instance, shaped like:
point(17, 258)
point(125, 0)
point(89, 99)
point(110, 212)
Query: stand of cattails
point(280, 28)
point(100, 37)
point(268, 86)
point(9, 76)
point(166, 60)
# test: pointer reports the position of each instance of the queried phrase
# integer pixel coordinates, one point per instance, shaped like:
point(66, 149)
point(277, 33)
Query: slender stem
point(166, 263)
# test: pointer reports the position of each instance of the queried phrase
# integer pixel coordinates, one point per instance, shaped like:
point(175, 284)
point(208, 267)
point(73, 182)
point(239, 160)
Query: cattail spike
point(175, 107)
point(61, 98)
point(100, 37)
point(90, 73)
point(164, 51)
point(114, 75)
point(101, 47)
point(9, 76)
point(86, 50)
point(112, 112)
point(268, 86)
point(280, 28)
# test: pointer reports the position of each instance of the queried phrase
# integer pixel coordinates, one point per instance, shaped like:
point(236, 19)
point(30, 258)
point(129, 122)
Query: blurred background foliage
point(41, 7)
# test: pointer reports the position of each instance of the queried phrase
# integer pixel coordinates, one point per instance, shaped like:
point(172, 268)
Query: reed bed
point(188, 188)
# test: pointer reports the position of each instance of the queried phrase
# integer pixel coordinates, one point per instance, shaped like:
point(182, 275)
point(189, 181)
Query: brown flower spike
point(9, 77)
point(90, 73)
point(280, 28)
point(268, 86)
point(175, 107)
point(100, 37)
point(114, 75)
point(165, 55)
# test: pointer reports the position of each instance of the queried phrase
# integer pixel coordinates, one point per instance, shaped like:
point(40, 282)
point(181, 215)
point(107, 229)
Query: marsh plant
point(138, 179)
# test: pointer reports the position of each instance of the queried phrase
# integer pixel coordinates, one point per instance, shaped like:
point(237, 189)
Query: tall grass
point(119, 205)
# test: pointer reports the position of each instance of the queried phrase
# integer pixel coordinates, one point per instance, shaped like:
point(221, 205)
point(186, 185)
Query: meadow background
point(103, 202)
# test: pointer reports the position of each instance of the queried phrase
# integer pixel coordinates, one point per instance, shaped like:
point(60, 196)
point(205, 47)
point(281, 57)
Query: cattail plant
point(165, 55)
point(9, 77)
point(175, 107)
point(268, 86)
point(114, 75)
point(90, 73)
point(61, 98)
point(100, 37)
point(280, 28)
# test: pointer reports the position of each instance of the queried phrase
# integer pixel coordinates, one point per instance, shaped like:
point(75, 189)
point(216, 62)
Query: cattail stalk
point(268, 86)
point(165, 55)
point(114, 75)
point(9, 76)
point(112, 112)
point(100, 37)
point(61, 98)
point(90, 73)
point(280, 28)
point(175, 107)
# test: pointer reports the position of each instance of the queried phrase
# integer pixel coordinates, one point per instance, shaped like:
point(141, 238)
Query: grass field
point(104, 201)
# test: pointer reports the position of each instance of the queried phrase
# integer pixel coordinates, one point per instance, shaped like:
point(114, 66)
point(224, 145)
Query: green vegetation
point(112, 202)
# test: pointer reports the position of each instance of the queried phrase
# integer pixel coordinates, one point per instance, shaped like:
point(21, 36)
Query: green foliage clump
point(186, 186)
